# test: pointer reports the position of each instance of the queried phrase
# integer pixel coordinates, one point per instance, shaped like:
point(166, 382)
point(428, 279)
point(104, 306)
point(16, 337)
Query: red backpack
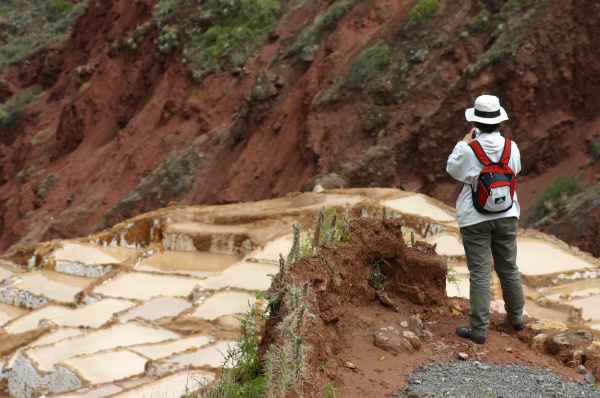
point(496, 182)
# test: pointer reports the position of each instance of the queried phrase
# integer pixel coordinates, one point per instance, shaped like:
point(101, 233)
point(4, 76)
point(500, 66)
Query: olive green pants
point(495, 239)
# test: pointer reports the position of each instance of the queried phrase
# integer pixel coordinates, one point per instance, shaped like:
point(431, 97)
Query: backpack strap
point(483, 157)
point(480, 153)
point(506, 154)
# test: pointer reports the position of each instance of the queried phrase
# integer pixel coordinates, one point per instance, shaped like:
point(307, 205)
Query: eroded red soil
point(119, 131)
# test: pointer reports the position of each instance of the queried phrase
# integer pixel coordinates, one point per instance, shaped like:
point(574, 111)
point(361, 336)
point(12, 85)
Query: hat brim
point(470, 115)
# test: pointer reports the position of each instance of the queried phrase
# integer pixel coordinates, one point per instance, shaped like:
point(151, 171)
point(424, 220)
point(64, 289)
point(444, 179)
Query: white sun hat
point(487, 110)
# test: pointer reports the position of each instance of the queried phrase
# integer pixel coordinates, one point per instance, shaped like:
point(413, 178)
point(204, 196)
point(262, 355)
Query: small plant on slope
point(560, 190)
point(241, 374)
point(237, 27)
point(324, 22)
point(421, 12)
point(368, 65)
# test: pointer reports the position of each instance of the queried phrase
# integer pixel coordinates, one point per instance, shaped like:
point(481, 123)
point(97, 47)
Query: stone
point(308, 53)
point(390, 340)
point(590, 378)
point(160, 369)
point(549, 325)
point(412, 339)
point(559, 341)
point(327, 181)
point(20, 298)
point(419, 56)
point(24, 379)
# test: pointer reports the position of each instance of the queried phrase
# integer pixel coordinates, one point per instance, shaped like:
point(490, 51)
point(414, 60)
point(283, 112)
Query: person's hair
point(486, 128)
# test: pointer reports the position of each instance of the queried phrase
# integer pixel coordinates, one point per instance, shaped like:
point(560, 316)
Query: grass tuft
point(556, 194)
point(237, 27)
point(241, 374)
point(377, 279)
point(422, 12)
point(11, 112)
point(323, 23)
point(481, 21)
point(369, 64)
point(41, 190)
point(595, 151)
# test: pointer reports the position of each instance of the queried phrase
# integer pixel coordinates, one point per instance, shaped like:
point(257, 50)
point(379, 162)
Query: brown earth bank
point(118, 130)
point(370, 312)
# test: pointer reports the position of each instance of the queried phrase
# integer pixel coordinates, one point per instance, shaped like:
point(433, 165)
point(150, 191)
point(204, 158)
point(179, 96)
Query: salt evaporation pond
point(93, 254)
point(144, 286)
point(10, 312)
point(158, 308)
point(93, 315)
point(105, 367)
point(170, 386)
point(31, 319)
point(244, 275)
point(540, 257)
point(224, 303)
point(163, 350)
point(447, 244)
point(207, 356)
point(200, 264)
point(56, 286)
point(105, 339)
point(421, 206)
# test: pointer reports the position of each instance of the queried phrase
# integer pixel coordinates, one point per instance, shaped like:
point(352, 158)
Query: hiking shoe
point(519, 326)
point(467, 332)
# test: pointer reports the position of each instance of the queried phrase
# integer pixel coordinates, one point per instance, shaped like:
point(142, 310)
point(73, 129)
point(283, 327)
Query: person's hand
point(469, 137)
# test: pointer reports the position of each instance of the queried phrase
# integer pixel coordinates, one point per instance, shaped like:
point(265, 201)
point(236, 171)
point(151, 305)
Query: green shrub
point(517, 5)
point(260, 91)
point(237, 27)
point(164, 8)
point(370, 153)
point(241, 374)
point(421, 12)
point(596, 151)
point(451, 277)
point(11, 112)
point(16, 48)
point(170, 180)
point(377, 278)
point(480, 21)
point(557, 194)
point(329, 390)
point(324, 22)
point(55, 10)
point(27, 25)
point(41, 190)
point(368, 65)
point(137, 37)
point(168, 40)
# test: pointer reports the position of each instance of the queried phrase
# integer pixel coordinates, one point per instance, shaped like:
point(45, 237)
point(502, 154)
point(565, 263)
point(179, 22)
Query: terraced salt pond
point(147, 308)
point(200, 264)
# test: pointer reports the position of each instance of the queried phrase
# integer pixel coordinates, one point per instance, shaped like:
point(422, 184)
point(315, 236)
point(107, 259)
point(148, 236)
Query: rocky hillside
point(120, 107)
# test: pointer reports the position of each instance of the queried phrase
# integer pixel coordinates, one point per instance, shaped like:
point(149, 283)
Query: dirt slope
point(367, 323)
point(120, 129)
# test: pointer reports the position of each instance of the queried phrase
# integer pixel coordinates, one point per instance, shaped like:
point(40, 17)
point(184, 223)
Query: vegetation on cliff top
point(27, 25)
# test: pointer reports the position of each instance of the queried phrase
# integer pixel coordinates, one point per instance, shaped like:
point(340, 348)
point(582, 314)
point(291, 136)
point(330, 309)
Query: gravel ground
point(484, 380)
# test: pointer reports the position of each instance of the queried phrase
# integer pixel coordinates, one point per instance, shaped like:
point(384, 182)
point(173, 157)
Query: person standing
point(486, 234)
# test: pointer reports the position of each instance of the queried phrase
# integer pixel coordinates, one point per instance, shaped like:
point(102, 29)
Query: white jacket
point(464, 166)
